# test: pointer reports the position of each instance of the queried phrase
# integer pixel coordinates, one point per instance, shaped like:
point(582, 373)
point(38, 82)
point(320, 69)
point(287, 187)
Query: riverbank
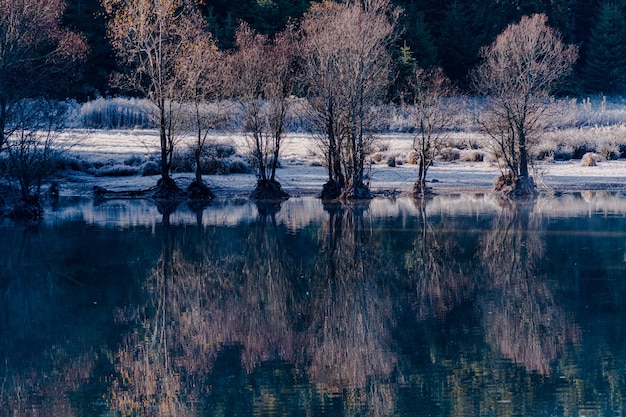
point(301, 173)
point(444, 177)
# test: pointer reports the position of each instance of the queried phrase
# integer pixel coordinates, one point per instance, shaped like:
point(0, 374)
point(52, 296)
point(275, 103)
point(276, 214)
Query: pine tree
point(86, 16)
point(458, 43)
point(419, 39)
point(605, 65)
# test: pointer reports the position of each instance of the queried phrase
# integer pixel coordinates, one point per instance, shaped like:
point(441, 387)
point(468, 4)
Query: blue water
point(461, 306)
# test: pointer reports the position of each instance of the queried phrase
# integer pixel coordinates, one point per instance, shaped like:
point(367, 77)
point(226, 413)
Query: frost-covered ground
point(301, 173)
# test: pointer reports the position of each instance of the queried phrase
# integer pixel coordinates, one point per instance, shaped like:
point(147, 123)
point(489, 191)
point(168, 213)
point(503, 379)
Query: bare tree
point(37, 59)
point(149, 36)
point(200, 65)
point(325, 103)
point(431, 114)
point(263, 76)
point(32, 151)
point(519, 72)
point(347, 73)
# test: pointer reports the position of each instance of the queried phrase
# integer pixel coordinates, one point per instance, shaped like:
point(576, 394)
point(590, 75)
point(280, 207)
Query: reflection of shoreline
point(297, 213)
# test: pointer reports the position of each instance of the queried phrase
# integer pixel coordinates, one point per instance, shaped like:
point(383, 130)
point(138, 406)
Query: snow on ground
point(302, 175)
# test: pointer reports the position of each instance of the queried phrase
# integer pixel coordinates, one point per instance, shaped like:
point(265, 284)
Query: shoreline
point(300, 180)
point(301, 173)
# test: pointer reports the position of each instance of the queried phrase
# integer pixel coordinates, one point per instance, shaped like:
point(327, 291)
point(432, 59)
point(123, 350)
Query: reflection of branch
point(349, 335)
point(440, 279)
point(203, 297)
point(521, 316)
point(42, 363)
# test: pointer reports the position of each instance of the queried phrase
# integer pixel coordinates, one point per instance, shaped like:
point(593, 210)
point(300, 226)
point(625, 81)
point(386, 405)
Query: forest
point(448, 34)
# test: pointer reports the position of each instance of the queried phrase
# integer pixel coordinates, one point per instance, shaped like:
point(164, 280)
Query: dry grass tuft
point(590, 159)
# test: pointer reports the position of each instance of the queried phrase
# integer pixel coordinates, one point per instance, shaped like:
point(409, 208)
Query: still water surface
point(462, 306)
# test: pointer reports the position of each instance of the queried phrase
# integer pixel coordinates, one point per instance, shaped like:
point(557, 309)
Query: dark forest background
point(434, 33)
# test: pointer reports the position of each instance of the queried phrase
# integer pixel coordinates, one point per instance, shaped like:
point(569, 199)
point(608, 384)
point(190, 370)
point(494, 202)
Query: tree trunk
point(523, 156)
point(420, 190)
point(198, 154)
point(3, 117)
point(274, 161)
point(165, 169)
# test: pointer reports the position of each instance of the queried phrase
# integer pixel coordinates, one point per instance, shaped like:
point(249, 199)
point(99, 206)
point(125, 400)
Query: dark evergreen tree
point(418, 37)
point(267, 17)
point(458, 42)
point(436, 33)
point(87, 17)
point(560, 13)
point(605, 53)
point(582, 19)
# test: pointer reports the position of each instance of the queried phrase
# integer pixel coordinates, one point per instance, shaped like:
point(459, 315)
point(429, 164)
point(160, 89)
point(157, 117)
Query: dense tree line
point(435, 32)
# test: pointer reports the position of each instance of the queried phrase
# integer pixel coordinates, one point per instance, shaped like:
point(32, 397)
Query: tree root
point(268, 190)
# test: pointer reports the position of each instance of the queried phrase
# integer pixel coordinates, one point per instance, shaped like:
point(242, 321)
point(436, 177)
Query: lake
point(461, 306)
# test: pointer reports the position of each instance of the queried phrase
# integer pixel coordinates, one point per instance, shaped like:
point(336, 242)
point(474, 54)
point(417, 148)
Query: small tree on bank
point(263, 76)
point(348, 71)
point(149, 37)
point(32, 151)
point(431, 114)
point(37, 60)
point(517, 75)
point(201, 69)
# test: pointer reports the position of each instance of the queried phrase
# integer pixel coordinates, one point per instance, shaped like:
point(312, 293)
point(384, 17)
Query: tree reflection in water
point(39, 365)
point(439, 268)
point(350, 313)
point(51, 318)
point(329, 315)
point(349, 334)
point(521, 317)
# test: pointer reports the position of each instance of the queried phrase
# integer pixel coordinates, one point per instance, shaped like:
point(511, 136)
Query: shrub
point(609, 151)
point(237, 165)
point(117, 171)
point(221, 150)
point(590, 159)
point(150, 168)
point(391, 161)
point(449, 154)
point(413, 158)
point(545, 150)
point(133, 161)
point(117, 113)
point(60, 161)
point(212, 161)
point(563, 152)
point(377, 157)
point(472, 156)
point(582, 149)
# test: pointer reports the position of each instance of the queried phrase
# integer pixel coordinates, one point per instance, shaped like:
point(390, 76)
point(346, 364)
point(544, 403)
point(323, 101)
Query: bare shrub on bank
point(32, 151)
point(262, 76)
point(348, 69)
point(431, 116)
point(519, 71)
